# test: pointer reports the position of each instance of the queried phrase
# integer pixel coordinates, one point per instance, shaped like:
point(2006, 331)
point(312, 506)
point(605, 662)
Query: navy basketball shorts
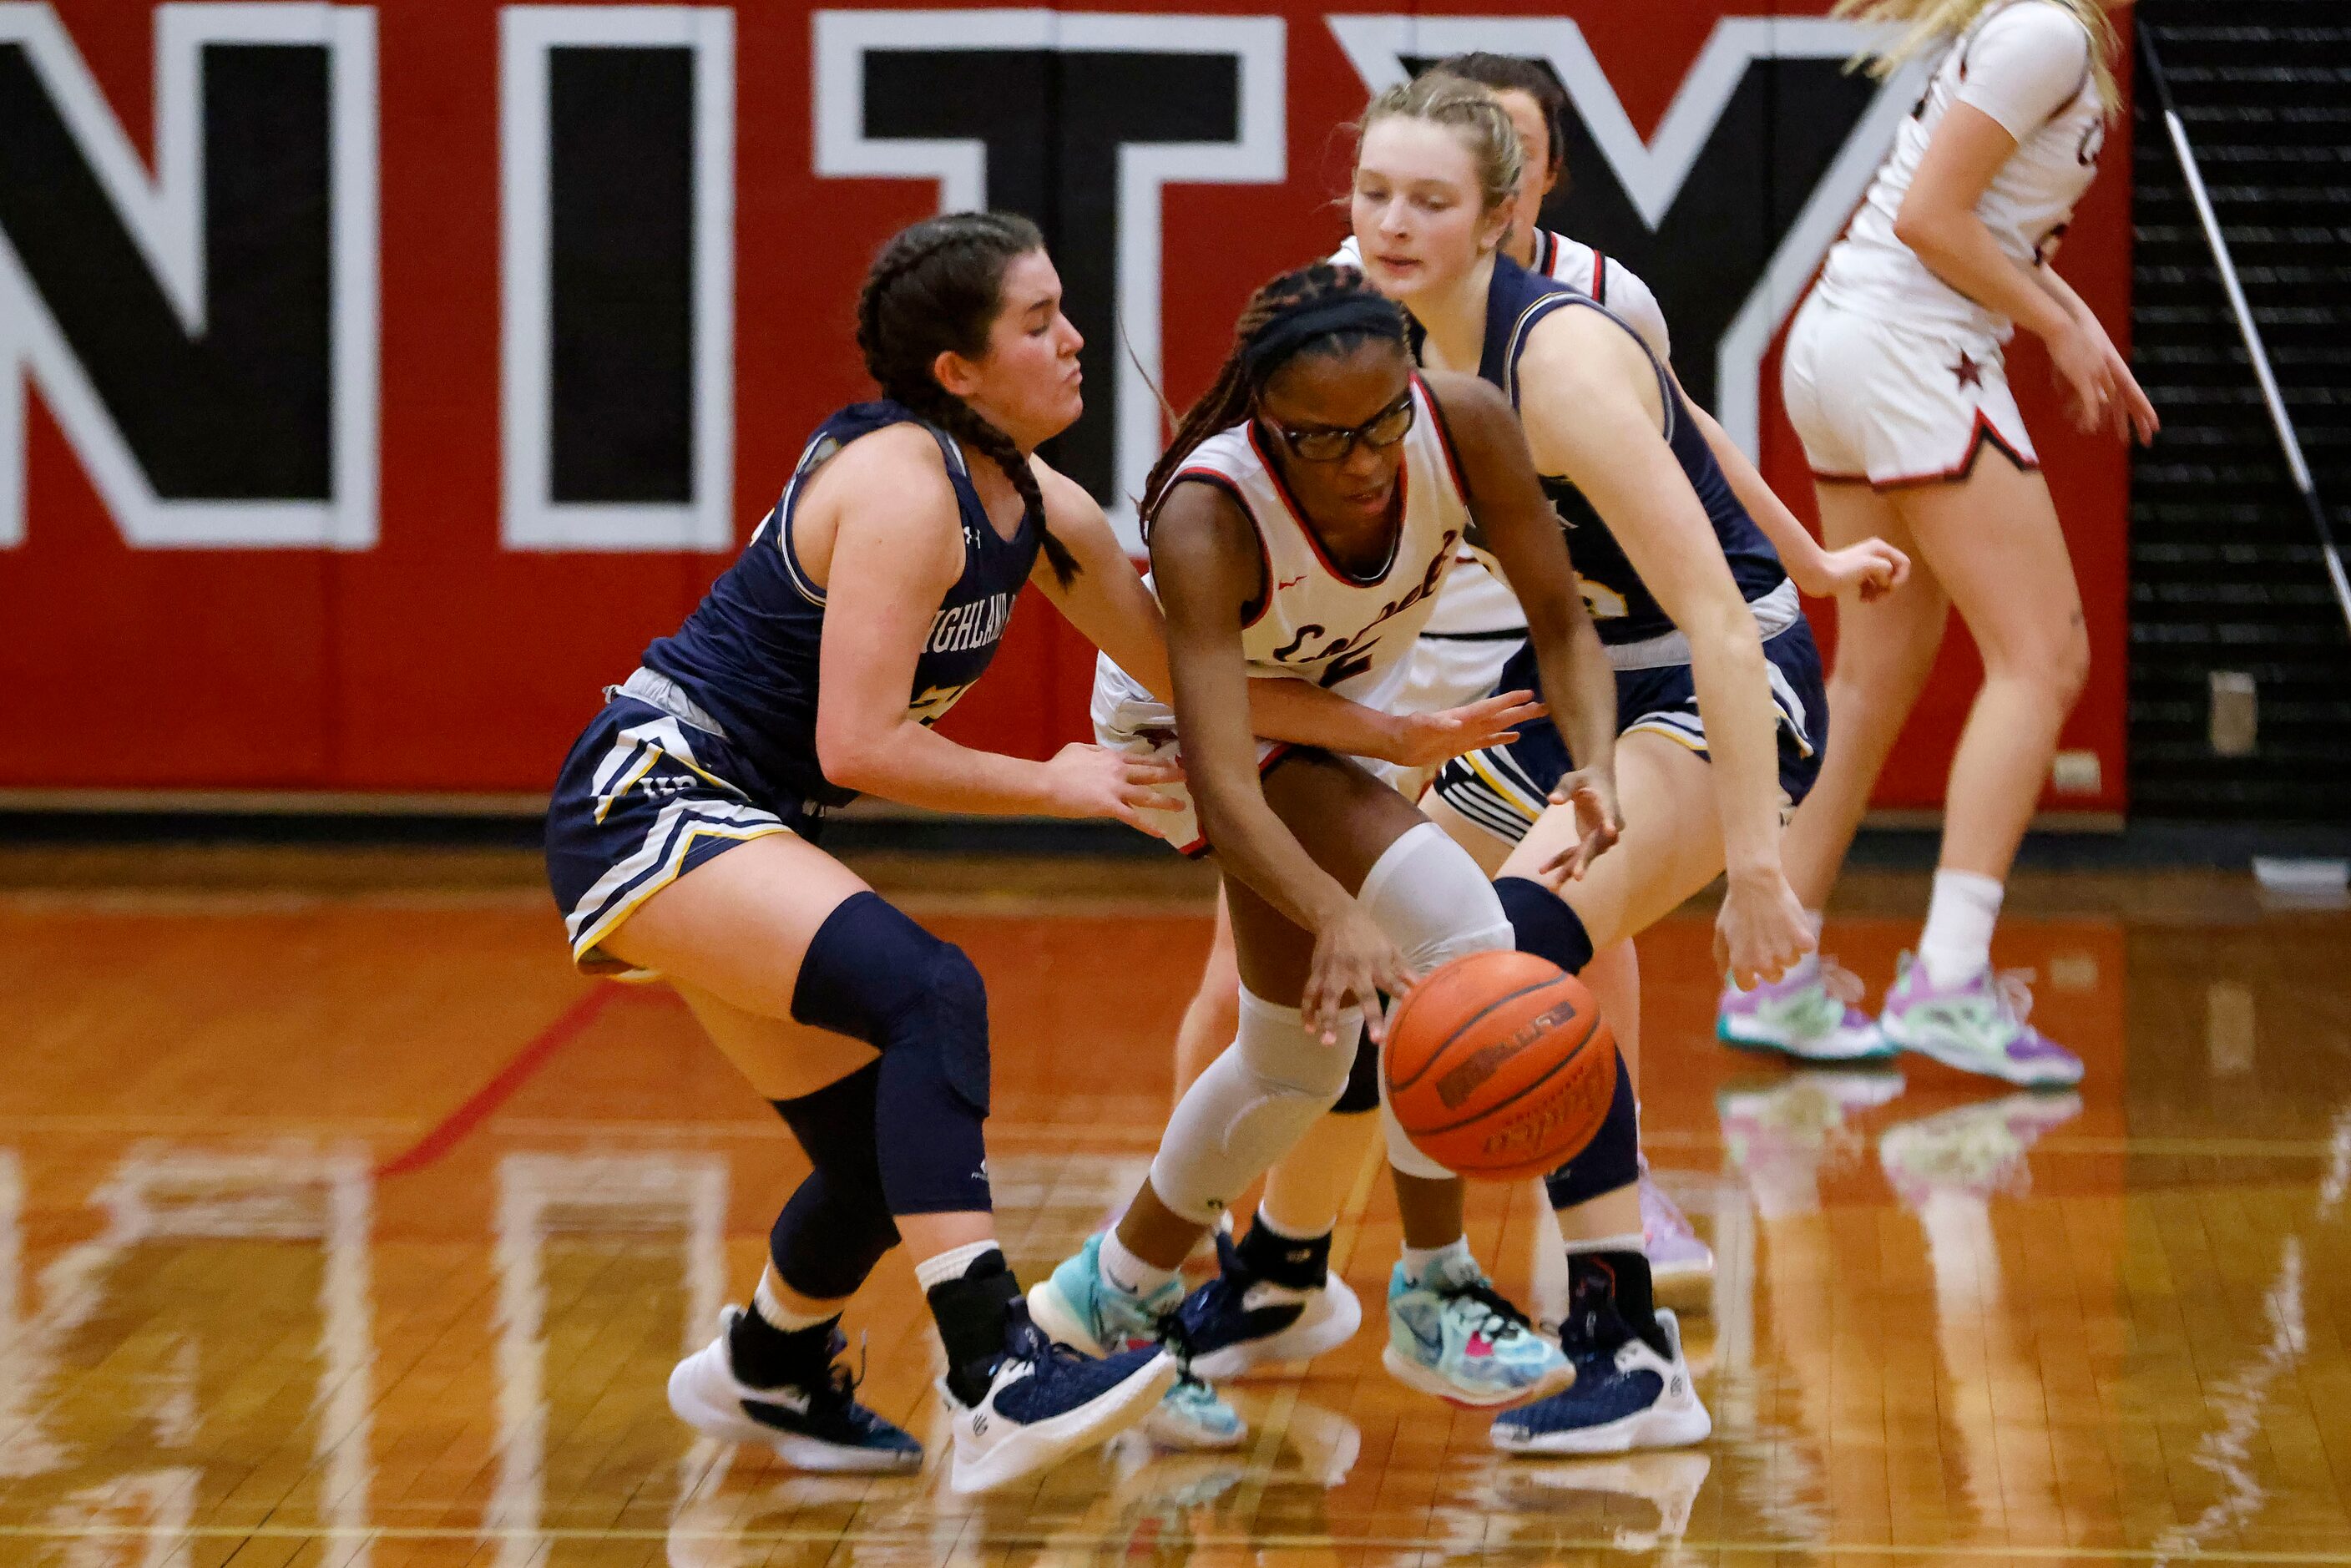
point(1503, 788)
point(644, 798)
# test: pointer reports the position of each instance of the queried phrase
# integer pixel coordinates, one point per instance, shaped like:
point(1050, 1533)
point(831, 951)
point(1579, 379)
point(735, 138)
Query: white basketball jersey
point(1352, 635)
point(2026, 64)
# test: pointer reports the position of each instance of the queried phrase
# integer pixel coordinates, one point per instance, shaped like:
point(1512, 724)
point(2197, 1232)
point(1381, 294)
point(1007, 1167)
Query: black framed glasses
point(1322, 444)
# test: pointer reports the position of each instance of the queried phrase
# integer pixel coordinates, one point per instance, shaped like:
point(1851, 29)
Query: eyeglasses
point(1324, 444)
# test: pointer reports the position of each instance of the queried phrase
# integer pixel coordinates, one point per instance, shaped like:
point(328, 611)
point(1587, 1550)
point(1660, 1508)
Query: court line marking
point(1118, 1542)
point(452, 1129)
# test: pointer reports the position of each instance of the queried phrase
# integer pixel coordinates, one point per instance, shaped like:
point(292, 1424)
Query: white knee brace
point(1246, 1111)
point(1436, 904)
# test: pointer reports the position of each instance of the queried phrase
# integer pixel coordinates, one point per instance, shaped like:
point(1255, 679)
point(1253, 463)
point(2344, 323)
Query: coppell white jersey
point(2026, 63)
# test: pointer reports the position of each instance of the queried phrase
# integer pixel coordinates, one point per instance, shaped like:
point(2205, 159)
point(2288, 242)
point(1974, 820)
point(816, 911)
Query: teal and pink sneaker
point(1453, 1335)
point(1977, 1027)
point(1808, 1014)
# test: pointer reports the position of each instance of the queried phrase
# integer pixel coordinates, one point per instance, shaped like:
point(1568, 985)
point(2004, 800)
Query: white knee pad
point(1250, 1107)
point(1436, 904)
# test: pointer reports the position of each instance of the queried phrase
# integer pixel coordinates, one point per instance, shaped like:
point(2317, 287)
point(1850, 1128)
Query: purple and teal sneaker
point(1808, 1013)
point(1681, 1265)
point(1978, 1027)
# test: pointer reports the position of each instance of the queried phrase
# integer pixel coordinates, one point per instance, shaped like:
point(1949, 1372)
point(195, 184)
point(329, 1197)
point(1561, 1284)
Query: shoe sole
point(1420, 1380)
point(1952, 1060)
point(1780, 1048)
point(1642, 1429)
point(802, 1453)
point(1060, 1321)
point(1041, 1447)
point(1302, 1341)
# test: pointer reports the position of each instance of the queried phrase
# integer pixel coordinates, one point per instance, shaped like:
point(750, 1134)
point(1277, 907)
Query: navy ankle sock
point(765, 1356)
point(1297, 1265)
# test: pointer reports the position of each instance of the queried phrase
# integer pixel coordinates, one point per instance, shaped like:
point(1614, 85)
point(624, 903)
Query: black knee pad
point(1543, 923)
point(1362, 1094)
point(873, 974)
point(836, 1226)
point(1612, 1161)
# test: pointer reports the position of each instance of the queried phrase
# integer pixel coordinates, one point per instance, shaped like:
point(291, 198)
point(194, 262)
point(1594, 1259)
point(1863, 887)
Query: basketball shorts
point(1128, 718)
point(1446, 671)
point(647, 795)
point(1889, 404)
point(1504, 788)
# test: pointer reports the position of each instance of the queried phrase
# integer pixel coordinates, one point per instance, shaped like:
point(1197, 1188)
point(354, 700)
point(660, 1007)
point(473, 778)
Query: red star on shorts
point(1971, 373)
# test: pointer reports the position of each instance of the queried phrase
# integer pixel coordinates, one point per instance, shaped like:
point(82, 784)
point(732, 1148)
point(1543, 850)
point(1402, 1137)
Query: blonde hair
point(1925, 23)
point(1472, 113)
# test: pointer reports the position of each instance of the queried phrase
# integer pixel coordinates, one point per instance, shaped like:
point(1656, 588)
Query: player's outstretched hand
point(1763, 931)
point(1353, 962)
point(1095, 781)
point(1598, 821)
point(1871, 568)
point(1425, 739)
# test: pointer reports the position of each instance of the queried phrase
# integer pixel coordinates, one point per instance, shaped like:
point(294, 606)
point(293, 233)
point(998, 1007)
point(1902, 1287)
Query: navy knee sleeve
point(836, 1226)
point(873, 974)
point(1612, 1161)
point(1362, 1095)
point(1543, 923)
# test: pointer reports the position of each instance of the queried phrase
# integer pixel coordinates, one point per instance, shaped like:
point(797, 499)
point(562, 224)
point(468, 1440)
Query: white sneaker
point(1630, 1398)
point(811, 1426)
point(1045, 1403)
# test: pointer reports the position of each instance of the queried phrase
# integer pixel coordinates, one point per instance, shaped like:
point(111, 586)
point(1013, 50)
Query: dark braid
point(935, 288)
point(1229, 400)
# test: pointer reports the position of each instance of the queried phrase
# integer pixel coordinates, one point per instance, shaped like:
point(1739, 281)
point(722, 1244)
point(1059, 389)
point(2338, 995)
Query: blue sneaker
point(1630, 1397)
point(1453, 1336)
point(1078, 1306)
point(1239, 1319)
point(1045, 1403)
point(816, 1425)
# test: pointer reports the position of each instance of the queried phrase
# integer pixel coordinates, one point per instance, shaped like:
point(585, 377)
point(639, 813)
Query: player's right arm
point(1203, 558)
point(898, 548)
point(1595, 414)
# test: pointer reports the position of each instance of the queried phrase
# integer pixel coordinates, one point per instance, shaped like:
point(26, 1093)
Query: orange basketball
point(1500, 1065)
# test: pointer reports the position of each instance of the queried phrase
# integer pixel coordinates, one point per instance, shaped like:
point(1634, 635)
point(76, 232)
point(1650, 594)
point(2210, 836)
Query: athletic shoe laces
point(2014, 987)
point(1501, 1319)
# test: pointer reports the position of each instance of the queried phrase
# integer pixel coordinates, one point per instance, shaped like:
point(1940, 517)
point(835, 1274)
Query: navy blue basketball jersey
point(747, 654)
point(1622, 609)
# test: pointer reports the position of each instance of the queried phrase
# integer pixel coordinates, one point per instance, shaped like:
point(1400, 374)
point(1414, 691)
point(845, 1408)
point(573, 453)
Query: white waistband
point(1774, 613)
point(657, 690)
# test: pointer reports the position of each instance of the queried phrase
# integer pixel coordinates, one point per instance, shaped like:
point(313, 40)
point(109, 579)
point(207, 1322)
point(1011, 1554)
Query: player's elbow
point(1923, 227)
point(854, 756)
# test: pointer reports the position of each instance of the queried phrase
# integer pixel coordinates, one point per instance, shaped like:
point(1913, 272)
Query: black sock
point(1277, 1259)
point(765, 1356)
point(971, 1312)
point(1610, 1301)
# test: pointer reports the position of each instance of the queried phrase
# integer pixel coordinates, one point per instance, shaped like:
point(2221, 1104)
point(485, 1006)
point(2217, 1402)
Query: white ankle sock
point(1957, 945)
point(768, 1301)
point(1418, 1260)
point(953, 1263)
point(1129, 1274)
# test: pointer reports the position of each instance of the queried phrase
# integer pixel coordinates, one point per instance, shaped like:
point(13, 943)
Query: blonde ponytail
point(1926, 23)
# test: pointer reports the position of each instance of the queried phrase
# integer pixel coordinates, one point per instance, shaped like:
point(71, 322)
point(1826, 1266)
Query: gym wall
point(379, 379)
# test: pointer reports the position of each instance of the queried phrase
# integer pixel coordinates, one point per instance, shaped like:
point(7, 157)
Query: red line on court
point(452, 1128)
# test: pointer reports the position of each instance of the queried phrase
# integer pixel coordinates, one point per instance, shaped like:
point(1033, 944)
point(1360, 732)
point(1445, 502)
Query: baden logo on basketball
point(1457, 1085)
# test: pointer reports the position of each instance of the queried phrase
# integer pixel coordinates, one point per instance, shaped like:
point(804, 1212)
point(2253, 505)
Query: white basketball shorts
point(1891, 405)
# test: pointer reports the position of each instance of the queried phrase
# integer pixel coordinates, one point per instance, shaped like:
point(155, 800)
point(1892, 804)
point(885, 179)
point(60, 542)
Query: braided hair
point(935, 289)
point(1320, 288)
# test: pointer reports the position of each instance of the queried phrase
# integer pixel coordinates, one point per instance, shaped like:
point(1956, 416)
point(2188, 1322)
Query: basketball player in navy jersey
point(681, 844)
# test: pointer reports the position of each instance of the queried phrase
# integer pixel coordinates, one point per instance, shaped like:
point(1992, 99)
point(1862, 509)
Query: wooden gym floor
point(341, 1223)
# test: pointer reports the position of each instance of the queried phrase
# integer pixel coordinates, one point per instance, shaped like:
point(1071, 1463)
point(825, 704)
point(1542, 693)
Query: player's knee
point(1247, 1110)
point(1612, 1161)
point(1543, 924)
point(2070, 670)
point(871, 972)
point(1432, 900)
point(831, 1234)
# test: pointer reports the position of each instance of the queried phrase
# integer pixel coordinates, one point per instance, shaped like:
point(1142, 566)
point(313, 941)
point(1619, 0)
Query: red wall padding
point(437, 660)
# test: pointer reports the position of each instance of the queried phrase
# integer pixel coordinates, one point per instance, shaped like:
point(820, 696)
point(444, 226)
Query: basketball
point(1500, 1065)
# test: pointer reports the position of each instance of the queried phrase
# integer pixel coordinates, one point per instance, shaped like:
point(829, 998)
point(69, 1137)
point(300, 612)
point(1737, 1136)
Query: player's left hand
point(1598, 819)
point(1872, 570)
point(1426, 740)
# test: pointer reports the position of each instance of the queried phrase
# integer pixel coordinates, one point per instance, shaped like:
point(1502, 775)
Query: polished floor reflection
point(351, 1227)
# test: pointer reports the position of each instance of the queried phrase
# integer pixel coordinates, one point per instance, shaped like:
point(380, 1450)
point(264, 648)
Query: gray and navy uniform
point(713, 741)
point(1503, 788)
